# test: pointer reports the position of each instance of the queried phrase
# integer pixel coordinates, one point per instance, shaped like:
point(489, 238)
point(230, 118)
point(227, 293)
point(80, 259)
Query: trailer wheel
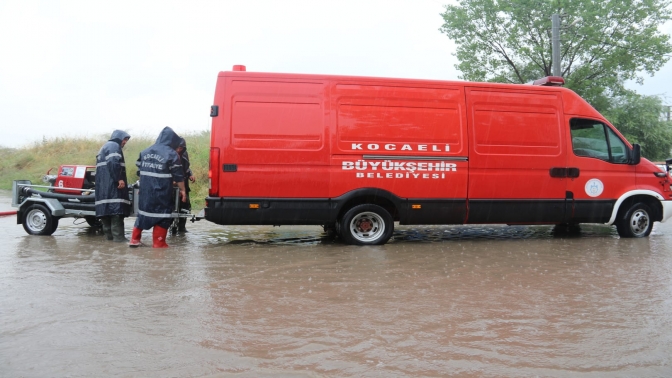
point(636, 223)
point(38, 220)
point(366, 225)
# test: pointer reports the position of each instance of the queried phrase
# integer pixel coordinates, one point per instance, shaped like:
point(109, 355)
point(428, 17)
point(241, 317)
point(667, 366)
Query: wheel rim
point(367, 226)
point(639, 222)
point(36, 220)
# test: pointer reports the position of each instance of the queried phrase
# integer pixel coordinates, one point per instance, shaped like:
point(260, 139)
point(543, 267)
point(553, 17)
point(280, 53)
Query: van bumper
point(269, 211)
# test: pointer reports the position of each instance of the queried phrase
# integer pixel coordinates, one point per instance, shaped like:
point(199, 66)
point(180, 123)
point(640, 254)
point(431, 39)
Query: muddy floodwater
point(473, 301)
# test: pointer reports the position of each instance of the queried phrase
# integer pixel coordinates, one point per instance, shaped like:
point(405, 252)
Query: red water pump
point(71, 179)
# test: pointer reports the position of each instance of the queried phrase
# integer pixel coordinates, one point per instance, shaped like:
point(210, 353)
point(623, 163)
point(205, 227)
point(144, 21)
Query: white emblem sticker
point(594, 187)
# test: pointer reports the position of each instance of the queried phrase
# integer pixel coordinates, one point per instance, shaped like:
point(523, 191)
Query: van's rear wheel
point(366, 225)
point(637, 222)
point(38, 220)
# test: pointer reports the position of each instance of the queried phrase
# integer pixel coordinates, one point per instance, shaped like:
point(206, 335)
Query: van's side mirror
point(635, 154)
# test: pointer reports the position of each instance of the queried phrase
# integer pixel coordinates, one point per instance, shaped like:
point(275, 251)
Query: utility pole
point(555, 44)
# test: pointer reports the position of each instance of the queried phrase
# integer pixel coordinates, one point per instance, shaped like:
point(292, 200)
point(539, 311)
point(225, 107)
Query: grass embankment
point(33, 162)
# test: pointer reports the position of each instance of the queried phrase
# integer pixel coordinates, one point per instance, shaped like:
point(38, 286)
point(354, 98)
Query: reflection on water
point(402, 234)
point(293, 302)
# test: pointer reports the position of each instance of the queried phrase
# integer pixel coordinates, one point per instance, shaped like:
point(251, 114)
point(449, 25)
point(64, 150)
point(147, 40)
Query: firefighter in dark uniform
point(159, 166)
point(112, 200)
point(188, 174)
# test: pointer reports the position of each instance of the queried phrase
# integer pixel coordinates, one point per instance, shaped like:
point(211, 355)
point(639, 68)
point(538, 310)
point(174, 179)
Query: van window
point(617, 147)
point(596, 140)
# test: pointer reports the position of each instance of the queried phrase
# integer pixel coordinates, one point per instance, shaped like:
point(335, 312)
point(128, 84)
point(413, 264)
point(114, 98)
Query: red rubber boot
point(135, 238)
point(159, 237)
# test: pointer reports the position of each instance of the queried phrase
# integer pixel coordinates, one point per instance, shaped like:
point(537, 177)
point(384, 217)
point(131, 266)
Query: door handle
point(564, 172)
point(558, 172)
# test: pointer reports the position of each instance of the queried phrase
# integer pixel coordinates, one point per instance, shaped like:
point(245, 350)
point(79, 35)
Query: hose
point(61, 197)
point(79, 206)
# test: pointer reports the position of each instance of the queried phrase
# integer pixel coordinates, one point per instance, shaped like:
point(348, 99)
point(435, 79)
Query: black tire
point(366, 225)
point(94, 222)
point(37, 220)
point(636, 222)
point(567, 229)
point(54, 224)
point(330, 231)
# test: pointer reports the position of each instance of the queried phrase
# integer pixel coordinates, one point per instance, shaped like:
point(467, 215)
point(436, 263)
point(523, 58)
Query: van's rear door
point(276, 138)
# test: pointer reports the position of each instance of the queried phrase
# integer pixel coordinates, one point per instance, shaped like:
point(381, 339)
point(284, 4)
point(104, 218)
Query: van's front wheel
point(637, 222)
point(366, 225)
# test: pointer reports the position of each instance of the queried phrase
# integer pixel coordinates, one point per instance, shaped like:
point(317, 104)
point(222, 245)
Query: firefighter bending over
point(188, 174)
point(112, 200)
point(159, 166)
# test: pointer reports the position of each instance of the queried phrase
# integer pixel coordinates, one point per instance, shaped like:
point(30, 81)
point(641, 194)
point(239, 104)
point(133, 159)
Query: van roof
point(243, 72)
point(573, 103)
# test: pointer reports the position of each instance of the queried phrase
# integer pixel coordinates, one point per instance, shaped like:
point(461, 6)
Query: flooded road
point(485, 301)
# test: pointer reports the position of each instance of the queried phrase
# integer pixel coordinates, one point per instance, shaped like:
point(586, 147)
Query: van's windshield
point(596, 140)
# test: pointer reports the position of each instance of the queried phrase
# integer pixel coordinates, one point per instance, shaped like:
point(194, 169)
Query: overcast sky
point(71, 68)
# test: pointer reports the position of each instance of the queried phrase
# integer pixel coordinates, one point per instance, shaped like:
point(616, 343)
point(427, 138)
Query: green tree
point(604, 43)
point(639, 119)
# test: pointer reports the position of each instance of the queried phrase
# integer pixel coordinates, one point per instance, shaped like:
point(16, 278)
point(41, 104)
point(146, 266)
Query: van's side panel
point(516, 138)
point(410, 141)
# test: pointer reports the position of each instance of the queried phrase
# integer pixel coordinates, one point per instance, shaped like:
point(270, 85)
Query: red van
point(355, 154)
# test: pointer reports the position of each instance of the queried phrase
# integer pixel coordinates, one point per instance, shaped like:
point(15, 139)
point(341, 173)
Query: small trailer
point(69, 194)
